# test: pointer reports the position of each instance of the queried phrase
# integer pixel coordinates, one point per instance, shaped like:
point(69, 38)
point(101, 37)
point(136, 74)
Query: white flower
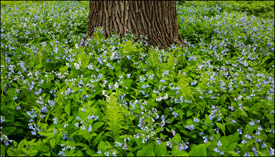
point(76, 66)
point(159, 99)
point(112, 56)
point(98, 152)
point(83, 127)
point(114, 153)
point(90, 128)
point(104, 93)
point(116, 85)
point(217, 150)
point(219, 143)
point(90, 67)
point(165, 96)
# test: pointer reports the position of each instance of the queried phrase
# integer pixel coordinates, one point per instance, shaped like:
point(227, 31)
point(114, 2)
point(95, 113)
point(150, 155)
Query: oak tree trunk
point(155, 19)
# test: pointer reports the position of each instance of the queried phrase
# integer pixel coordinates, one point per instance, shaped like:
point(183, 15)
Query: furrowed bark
point(155, 19)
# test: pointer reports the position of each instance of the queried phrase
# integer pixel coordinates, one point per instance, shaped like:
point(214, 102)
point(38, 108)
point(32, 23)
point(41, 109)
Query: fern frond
point(114, 116)
point(184, 87)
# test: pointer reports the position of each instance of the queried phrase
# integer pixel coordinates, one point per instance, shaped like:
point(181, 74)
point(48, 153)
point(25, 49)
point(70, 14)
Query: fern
point(114, 116)
point(184, 87)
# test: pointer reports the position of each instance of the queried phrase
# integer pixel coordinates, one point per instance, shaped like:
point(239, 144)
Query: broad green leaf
point(10, 152)
point(78, 153)
point(8, 130)
point(147, 150)
point(14, 84)
point(96, 125)
point(33, 152)
point(207, 119)
point(233, 153)
point(160, 149)
point(21, 144)
point(130, 154)
point(177, 138)
point(246, 108)
point(189, 113)
point(177, 152)
point(222, 99)
point(249, 129)
point(231, 146)
point(198, 150)
point(90, 152)
point(102, 146)
point(233, 138)
point(243, 113)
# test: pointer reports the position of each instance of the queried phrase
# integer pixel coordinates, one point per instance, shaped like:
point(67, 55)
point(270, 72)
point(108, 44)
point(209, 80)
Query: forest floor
point(214, 97)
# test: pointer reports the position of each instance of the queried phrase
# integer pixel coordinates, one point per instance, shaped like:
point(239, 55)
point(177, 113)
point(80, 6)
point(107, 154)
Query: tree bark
point(155, 19)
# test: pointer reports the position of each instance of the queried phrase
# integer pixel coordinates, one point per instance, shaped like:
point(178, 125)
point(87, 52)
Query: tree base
point(155, 19)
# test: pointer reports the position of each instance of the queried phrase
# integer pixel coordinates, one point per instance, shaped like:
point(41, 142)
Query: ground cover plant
point(117, 97)
point(260, 9)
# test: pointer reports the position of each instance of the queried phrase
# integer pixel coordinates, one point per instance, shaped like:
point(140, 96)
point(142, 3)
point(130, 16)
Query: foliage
point(260, 9)
point(119, 97)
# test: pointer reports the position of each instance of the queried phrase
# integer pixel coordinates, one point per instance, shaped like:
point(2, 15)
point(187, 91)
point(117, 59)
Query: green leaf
point(249, 129)
point(160, 149)
point(52, 142)
point(10, 152)
point(233, 153)
point(231, 146)
point(84, 134)
point(146, 150)
point(3, 150)
point(185, 132)
point(14, 143)
point(198, 150)
point(14, 84)
point(222, 99)
point(233, 138)
point(207, 119)
point(102, 146)
point(68, 109)
point(243, 113)
point(177, 152)
point(8, 130)
point(221, 126)
point(189, 113)
point(10, 92)
point(98, 137)
point(49, 134)
point(130, 154)
point(43, 148)
point(21, 144)
point(47, 154)
point(97, 125)
point(246, 108)
point(39, 66)
point(78, 153)
point(33, 152)
point(85, 146)
point(90, 152)
point(177, 138)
